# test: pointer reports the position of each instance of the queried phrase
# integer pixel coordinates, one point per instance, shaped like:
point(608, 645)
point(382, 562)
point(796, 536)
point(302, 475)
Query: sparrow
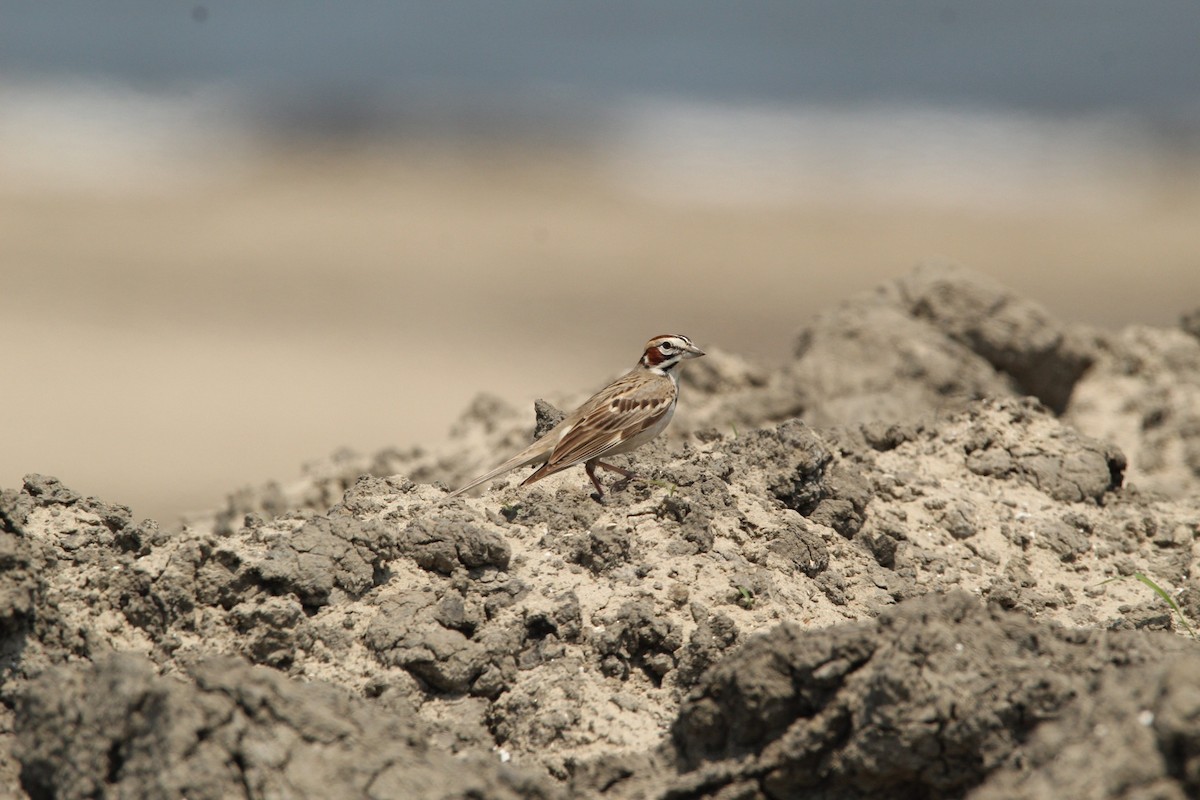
point(622, 416)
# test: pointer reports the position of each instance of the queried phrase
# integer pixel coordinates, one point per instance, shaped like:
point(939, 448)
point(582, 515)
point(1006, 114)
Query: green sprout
point(664, 484)
point(1162, 593)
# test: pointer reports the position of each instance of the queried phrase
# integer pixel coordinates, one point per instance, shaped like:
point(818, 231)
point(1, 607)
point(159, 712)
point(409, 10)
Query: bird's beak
point(691, 351)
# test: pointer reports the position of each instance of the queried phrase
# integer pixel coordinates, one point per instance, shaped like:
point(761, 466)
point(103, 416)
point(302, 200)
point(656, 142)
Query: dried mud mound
point(113, 727)
point(884, 569)
point(938, 697)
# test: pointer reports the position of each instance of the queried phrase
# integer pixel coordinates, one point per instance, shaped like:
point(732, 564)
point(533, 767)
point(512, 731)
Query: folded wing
point(606, 422)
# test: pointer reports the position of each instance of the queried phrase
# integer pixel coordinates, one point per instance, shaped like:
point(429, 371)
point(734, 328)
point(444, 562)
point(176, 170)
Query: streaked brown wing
point(619, 413)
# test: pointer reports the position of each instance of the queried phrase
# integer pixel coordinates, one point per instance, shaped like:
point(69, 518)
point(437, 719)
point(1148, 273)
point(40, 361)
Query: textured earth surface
point(904, 564)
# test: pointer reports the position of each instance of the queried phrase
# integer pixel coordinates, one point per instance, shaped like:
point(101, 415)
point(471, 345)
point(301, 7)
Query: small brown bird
point(622, 416)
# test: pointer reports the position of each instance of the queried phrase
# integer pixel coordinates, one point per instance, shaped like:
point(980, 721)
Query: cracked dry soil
point(883, 569)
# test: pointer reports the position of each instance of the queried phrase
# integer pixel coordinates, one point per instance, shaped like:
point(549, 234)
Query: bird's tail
point(536, 453)
point(544, 470)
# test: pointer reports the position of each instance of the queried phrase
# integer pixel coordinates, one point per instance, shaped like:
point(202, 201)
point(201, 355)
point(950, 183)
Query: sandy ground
point(174, 331)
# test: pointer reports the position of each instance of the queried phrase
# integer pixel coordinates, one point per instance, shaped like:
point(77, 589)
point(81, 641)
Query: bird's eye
point(667, 346)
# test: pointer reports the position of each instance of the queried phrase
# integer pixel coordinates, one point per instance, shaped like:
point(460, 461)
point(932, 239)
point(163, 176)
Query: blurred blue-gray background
point(235, 236)
point(361, 63)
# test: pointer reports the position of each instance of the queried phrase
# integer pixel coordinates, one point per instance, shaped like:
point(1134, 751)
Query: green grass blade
point(1158, 590)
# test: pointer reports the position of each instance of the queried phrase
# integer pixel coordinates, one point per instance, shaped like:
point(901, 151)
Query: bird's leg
point(590, 468)
point(626, 473)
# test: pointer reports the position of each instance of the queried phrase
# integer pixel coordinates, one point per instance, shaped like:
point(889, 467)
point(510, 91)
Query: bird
point(622, 416)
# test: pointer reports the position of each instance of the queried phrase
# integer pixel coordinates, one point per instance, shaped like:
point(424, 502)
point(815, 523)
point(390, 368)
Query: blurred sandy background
point(235, 238)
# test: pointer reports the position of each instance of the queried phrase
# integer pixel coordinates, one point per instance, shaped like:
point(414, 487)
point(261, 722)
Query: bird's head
point(664, 353)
